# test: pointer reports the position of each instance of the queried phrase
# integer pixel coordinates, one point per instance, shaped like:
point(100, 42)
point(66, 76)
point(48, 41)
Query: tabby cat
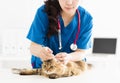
point(54, 69)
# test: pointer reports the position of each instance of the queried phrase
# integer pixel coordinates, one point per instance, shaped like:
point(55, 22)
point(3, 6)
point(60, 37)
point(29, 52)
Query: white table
point(96, 75)
point(106, 70)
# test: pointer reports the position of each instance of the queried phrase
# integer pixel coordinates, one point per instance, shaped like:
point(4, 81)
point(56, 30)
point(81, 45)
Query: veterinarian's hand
point(48, 52)
point(63, 57)
point(44, 53)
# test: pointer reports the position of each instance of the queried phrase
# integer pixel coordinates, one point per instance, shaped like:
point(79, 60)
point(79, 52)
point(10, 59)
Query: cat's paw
point(53, 76)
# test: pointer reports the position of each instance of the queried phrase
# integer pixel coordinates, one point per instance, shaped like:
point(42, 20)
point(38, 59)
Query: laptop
point(104, 46)
point(103, 51)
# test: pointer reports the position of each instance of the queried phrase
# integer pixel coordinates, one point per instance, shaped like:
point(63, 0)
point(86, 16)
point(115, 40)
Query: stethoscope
point(73, 46)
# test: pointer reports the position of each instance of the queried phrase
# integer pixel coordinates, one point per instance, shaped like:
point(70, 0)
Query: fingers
point(43, 52)
point(47, 53)
point(48, 50)
point(61, 56)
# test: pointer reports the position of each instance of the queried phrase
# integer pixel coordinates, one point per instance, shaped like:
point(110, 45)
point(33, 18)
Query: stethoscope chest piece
point(73, 47)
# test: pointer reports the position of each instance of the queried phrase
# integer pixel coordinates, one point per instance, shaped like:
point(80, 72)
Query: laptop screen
point(104, 45)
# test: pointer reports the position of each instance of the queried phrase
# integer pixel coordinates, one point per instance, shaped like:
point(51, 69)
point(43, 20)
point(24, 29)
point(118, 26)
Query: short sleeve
point(38, 27)
point(84, 40)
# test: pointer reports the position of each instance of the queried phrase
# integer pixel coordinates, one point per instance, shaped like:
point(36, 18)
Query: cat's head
point(52, 66)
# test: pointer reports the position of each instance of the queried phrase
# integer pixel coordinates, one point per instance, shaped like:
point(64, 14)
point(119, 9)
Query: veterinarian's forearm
point(43, 52)
point(77, 55)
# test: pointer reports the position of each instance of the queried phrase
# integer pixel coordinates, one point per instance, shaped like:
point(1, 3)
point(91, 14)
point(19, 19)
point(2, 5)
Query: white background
point(15, 19)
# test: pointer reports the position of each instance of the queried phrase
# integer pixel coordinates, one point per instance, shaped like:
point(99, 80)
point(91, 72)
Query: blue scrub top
point(39, 28)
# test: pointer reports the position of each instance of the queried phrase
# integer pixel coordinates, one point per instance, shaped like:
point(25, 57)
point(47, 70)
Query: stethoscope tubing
point(76, 38)
point(77, 34)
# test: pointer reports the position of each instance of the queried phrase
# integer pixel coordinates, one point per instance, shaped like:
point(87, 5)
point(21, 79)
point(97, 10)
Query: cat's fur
point(54, 69)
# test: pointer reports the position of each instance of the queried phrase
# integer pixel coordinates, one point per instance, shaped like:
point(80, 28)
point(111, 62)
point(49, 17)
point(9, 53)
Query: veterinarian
point(61, 29)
